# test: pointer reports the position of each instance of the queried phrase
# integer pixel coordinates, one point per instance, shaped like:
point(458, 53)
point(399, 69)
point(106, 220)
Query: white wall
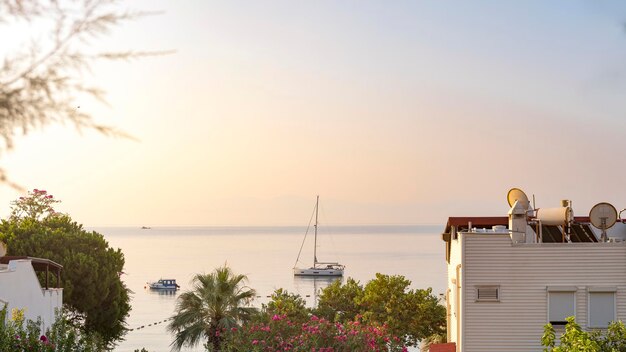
point(524, 271)
point(20, 287)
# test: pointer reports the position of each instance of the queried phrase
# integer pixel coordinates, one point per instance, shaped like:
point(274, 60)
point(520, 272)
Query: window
point(489, 293)
point(561, 304)
point(601, 307)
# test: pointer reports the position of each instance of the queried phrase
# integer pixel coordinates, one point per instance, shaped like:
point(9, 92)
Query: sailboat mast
point(317, 204)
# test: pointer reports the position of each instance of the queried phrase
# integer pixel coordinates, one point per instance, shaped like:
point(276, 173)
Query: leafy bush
point(575, 339)
point(290, 305)
point(17, 335)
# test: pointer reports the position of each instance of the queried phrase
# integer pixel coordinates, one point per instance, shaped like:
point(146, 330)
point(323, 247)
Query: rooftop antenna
point(516, 194)
point(603, 216)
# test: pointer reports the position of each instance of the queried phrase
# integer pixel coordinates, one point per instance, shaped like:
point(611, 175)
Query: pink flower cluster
point(316, 334)
point(36, 205)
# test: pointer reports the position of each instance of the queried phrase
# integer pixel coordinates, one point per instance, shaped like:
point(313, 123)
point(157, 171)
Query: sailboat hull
point(318, 272)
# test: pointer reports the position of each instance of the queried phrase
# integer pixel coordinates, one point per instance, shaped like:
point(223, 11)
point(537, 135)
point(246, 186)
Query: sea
point(266, 255)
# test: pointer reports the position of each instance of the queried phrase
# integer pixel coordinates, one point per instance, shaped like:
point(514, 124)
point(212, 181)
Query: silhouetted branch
point(39, 86)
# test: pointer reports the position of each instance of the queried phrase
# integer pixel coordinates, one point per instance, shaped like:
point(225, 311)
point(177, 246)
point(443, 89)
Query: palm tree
point(217, 301)
point(431, 340)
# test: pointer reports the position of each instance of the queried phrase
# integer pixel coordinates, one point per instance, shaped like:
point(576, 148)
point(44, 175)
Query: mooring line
point(145, 326)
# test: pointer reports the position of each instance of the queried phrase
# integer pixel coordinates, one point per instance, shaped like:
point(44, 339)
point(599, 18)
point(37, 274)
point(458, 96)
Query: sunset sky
point(394, 112)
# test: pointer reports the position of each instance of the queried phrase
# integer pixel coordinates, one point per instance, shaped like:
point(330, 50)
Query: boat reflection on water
point(171, 293)
point(309, 287)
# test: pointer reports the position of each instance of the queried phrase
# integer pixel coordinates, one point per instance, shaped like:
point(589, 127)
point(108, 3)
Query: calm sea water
point(266, 255)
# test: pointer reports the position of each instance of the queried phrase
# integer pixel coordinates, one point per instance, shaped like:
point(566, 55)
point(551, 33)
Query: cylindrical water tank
point(554, 216)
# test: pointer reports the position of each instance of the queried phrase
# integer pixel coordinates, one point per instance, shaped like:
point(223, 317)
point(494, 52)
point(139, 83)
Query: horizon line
point(262, 225)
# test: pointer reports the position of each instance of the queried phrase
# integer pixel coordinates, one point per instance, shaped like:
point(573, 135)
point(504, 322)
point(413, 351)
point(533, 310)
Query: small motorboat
point(163, 284)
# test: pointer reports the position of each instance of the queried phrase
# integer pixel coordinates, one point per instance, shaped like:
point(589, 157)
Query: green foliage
point(339, 302)
point(64, 336)
point(287, 304)
point(412, 314)
point(409, 314)
point(615, 337)
point(315, 334)
point(18, 335)
point(575, 339)
point(93, 293)
point(217, 303)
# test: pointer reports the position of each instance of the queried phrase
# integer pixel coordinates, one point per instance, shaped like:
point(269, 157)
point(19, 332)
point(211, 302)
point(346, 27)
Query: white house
point(20, 288)
point(509, 276)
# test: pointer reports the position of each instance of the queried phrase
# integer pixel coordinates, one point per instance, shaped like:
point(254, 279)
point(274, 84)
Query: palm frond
point(218, 300)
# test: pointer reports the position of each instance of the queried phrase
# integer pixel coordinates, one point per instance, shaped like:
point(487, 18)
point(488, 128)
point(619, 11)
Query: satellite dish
point(603, 215)
point(3, 249)
point(516, 194)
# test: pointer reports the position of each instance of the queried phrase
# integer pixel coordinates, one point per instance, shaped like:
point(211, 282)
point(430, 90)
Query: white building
point(509, 276)
point(20, 288)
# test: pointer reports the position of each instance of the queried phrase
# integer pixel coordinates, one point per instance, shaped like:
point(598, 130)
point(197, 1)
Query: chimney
point(518, 223)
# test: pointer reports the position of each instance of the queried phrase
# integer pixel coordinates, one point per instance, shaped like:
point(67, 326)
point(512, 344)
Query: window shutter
point(601, 309)
point(561, 305)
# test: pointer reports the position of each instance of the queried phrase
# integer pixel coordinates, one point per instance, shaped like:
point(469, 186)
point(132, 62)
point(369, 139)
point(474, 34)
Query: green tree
point(94, 296)
point(217, 303)
point(339, 302)
point(290, 305)
point(412, 315)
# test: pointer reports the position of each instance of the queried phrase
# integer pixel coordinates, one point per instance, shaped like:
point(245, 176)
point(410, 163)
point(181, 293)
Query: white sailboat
point(318, 268)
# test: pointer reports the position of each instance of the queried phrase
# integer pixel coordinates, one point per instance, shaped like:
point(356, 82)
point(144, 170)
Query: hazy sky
point(394, 112)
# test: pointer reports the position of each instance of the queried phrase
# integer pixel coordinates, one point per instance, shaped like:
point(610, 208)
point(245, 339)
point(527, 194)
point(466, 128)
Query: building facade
point(506, 280)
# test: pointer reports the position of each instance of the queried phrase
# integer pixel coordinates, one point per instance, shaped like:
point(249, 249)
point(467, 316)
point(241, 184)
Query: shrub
point(575, 339)
point(18, 335)
point(316, 334)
